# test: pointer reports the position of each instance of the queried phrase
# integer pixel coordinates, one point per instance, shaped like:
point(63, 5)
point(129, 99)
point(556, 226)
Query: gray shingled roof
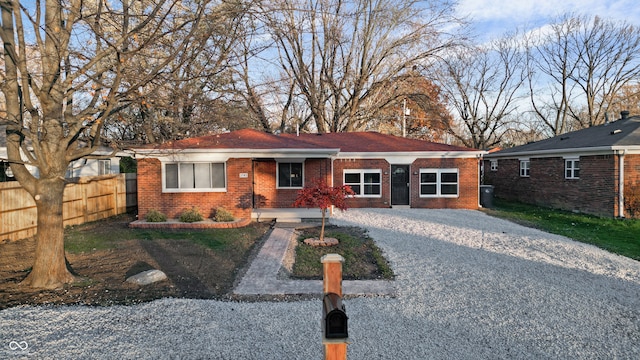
point(617, 135)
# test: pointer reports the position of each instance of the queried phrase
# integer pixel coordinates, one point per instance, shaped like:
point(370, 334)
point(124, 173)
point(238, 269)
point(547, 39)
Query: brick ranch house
point(594, 170)
point(248, 171)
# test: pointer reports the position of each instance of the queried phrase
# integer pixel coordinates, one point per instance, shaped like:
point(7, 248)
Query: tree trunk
point(321, 237)
point(49, 269)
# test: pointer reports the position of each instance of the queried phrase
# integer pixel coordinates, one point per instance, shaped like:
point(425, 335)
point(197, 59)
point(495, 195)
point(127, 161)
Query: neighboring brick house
point(247, 170)
point(577, 171)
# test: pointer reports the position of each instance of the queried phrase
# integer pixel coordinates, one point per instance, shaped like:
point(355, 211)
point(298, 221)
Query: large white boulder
point(147, 277)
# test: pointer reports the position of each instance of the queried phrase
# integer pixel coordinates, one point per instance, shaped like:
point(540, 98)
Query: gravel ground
point(469, 287)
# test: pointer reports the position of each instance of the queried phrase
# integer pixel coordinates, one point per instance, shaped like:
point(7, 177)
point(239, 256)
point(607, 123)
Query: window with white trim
point(494, 165)
point(365, 183)
point(525, 166)
point(439, 182)
point(188, 176)
point(104, 167)
point(290, 174)
point(571, 168)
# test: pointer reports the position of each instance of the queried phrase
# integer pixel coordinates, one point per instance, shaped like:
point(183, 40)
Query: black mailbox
point(334, 316)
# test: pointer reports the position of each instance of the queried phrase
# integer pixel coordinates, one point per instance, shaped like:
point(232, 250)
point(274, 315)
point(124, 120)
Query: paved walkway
point(262, 276)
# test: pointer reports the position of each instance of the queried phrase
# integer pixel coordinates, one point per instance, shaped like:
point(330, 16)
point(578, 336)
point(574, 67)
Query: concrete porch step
point(286, 214)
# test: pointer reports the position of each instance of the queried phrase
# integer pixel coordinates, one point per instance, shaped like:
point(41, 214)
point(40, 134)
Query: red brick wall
point(632, 185)
point(593, 193)
point(236, 199)
point(468, 182)
point(266, 193)
point(262, 179)
point(340, 165)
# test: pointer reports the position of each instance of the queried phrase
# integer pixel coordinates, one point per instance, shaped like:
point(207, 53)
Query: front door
point(399, 184)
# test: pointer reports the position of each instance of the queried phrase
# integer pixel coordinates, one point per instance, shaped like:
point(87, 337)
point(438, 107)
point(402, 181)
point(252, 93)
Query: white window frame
point(362, 184)
point(69, 173)
point(104, 166)
point(570, 168)
point(525, 168)
point(438, 183)
point(278, 186)
point(493, 165)
point(202, 189)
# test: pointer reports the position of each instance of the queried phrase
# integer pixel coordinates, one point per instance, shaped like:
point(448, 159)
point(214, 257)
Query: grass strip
point(619, 236)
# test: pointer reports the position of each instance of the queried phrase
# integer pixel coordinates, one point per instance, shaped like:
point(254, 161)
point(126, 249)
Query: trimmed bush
point(191, 215)
point(155, 216)
point(223, 215)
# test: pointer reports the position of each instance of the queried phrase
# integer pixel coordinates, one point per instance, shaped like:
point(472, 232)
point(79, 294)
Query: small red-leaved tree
point(320, 195)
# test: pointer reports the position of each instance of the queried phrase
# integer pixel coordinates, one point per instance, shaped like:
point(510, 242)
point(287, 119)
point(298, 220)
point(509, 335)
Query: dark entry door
point(399, 184)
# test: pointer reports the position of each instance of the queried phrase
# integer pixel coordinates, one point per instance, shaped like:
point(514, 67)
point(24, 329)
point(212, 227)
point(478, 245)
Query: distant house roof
point(100, 152)
point(623, 134)
point(328, 144)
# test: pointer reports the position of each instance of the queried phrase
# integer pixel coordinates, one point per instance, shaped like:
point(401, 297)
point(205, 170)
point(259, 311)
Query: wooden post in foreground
point(334, 349)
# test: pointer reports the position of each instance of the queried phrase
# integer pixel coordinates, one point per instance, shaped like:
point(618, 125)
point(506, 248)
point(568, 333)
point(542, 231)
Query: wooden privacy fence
point(90, 199)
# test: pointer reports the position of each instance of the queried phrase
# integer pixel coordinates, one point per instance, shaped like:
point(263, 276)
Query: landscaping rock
point(147, 277)
point(326, 242)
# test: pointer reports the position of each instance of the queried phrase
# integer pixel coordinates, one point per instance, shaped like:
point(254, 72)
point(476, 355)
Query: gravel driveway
point(469, 287)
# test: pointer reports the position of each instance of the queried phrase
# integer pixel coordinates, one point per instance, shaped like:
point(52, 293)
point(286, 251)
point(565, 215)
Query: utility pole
point(405, 112)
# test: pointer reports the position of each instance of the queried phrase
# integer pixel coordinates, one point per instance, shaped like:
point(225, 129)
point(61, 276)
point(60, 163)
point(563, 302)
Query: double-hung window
point(524, 168)
point(290, 174)
point(572, 168)
point(194, 176)
point(104, 167)
point(494, 165)
point(438, 182)
point(364, 183)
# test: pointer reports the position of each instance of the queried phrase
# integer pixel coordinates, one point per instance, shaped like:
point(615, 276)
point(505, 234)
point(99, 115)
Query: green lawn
point(620, 236)
point(106, 234)
point(362, 258)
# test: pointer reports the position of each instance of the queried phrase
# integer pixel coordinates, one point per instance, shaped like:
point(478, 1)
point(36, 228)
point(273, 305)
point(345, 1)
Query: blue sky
point(492, 18)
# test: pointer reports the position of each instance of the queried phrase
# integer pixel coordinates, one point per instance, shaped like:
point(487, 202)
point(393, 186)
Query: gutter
point(596, 150)
point(552, 152)
point(228, 153)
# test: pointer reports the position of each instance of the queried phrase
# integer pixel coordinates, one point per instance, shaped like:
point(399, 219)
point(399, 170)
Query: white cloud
point(493, 18)
point(527, 10)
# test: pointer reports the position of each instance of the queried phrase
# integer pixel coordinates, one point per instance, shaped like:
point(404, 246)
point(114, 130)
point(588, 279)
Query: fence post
point(334, 349)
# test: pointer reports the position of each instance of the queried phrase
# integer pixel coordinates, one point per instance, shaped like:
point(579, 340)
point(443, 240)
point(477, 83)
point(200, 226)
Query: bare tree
point(193, 99)
point(65, 65)
point(483, 86)
point(337, 51)
point(578, 67)
point(409, 105)
point(628, 98)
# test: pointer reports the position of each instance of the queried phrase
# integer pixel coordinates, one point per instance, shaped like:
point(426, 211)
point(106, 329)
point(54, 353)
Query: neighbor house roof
point(623, 134)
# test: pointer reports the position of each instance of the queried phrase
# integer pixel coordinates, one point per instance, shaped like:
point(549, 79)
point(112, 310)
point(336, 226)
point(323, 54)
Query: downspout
point(480, 170)
point(621, 183)
point(332, 158)
point(480, 177)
